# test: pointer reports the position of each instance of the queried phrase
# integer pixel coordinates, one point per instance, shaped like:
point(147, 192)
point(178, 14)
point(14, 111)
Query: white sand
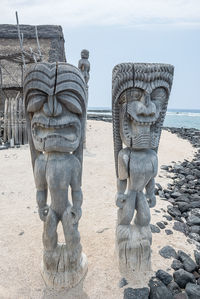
point(20, 255)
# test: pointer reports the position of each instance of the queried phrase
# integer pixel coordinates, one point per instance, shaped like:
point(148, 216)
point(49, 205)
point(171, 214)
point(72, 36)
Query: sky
point(115, 31)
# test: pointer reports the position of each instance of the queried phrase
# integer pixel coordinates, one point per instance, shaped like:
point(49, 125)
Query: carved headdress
point(145, 77)
point(43, 83)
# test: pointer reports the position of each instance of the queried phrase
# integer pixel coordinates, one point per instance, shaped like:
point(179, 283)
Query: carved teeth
point(47, 126)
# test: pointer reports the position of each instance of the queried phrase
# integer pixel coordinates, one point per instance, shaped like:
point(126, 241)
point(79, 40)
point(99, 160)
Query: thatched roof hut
point(51, 41)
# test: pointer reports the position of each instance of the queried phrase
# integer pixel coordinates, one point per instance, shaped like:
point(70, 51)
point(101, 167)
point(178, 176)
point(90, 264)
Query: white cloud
point(72, 13)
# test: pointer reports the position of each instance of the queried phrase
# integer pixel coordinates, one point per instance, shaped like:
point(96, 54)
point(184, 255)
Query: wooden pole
point(5, 133)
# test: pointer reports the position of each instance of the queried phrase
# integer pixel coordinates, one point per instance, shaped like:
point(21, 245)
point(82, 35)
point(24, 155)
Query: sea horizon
point(175, 117)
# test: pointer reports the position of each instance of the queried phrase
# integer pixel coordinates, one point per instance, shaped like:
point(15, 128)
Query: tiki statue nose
point(52, 107)
point(147, 99)
point(146, 107)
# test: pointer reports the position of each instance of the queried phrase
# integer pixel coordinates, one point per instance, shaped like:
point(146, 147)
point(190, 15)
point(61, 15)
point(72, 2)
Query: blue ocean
point(174, 118)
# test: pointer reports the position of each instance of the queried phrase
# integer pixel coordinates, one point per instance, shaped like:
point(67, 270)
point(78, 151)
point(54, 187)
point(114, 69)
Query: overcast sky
point(117, 31)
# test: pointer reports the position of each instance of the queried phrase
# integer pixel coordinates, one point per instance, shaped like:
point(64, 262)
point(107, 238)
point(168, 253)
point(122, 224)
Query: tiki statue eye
point(136, 94)
point(35, 100)
point(159, 94)
point(70, 101)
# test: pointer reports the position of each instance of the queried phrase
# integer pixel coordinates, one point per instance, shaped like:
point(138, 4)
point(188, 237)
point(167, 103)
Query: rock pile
point(184, 193)
point(184, 284)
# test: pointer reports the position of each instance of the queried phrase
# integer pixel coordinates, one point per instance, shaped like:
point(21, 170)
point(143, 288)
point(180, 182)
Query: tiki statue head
point(55, 98)
point(84, 54)
point(140, 97)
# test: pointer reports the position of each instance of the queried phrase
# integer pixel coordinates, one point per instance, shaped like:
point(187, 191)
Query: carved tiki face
point(55, 104)
point(140, 97)
point(84, 54)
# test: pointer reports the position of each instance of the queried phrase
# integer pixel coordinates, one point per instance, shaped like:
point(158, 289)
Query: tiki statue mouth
point(69, 131)
point(140, 111)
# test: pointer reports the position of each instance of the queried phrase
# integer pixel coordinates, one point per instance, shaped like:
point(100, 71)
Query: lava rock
point(173, 211)
point(168, 231)
point(158, 290)
point(193, 220)
point(176, 194)
point(195, 212)
point(195, 229)
point(193, 291)
point(182, 277)
point(142, 293)
point(168, 252)
point(123, 282)
point(197, 257)
point(182, 198)
point(196, 275)
point(169, 218)
point(171, 200)
point(188, 263)
point(176, 265)
point(183, 206)
point(158, 186)
point(180, 227)
point(181, 296)
point(198, 281)
point(164, 167)
point(194, 236)
point(174, 288)
point(165, 277)
point(154, 228)
point(160, 224)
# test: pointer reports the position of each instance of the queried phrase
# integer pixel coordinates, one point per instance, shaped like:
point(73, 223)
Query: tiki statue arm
point(123, 162)
point(76, 193)
point(150, 188)
point(43, 208)
point(41, 186)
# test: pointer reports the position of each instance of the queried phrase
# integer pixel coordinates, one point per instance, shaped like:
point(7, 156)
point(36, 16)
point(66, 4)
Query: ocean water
point(182, 118)
point(174, 118)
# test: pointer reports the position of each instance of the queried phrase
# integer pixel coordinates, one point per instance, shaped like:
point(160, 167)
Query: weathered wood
point(9, 119)
point(139, 104)
point(84, 66)
point(16, 121)
point(12, 118)
point(20, 120)
point(55, 117)
point(5, 136)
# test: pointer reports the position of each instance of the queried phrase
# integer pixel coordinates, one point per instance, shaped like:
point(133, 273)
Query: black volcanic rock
point(158, 290)
point(168, 252)
point(168, 231)
point(165, 277)
point(193, 291)
point(181, 227)
point(182, 277)
point(154, 228)
point(188, 263)
point(142, 293)
point(193, 220)
point(182, 295)
point(197, 257)
point(174, 287)
point(176, 265)
point(173, 211)
point(160, 224)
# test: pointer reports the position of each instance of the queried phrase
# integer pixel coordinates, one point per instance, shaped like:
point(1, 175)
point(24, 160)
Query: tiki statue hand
point(151, 200)
point(43, 212)
point(120, 200)
point(76, 214)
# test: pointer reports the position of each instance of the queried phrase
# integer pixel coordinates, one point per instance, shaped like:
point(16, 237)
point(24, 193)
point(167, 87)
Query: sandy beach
point(21, 228)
